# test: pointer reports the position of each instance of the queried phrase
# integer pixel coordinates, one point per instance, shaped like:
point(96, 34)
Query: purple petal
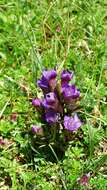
point(34, 129)
point(36, 102)
point(48, 75)
point(37, 130)
point(43, 83)
point(75, 92)
point(47, 105)
point(70, 92)
point(51, 116)
point(48, 80)
point(51, 101)
point(72, 123)
point(2, 141)
point(51, 97)
point(66, 76)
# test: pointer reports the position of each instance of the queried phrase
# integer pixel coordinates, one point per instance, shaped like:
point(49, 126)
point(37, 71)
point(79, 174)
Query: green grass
point(29, 42)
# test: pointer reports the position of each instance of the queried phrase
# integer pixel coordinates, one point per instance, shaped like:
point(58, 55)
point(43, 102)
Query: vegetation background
point(38, 34)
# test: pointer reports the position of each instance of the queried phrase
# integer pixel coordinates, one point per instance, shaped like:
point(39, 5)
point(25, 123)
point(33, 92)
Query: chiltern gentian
point(66, 76)
point(59, 99)
point(50, 101)
point(72, 123)
point(36, 102)
point(43, 83)
point(48, 80)
point(51, 74)
point(70, 92)
point(51, 116)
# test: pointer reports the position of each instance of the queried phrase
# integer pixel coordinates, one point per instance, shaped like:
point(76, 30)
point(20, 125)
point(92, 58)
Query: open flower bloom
point(72, 123)
point(51, 116)
point(70, 92)
point(66, 76)
point(48, 80)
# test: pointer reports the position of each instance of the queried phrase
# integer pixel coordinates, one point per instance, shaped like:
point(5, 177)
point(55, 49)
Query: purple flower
point(51, 97)
point(84, 179)
point(36, 130)
point(50, 101)
point(51, 116)
point(36, 102)
point(43, 83)
point(72, 123)
point(48, 80)
point(70, 92)
point(51, 74)
point(66, 76)
point(2, 142)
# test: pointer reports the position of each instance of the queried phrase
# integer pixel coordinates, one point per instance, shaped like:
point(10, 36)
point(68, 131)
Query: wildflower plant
point(57, 108)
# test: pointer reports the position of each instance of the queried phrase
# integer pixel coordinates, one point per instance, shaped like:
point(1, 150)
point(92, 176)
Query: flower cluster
point(59, 100)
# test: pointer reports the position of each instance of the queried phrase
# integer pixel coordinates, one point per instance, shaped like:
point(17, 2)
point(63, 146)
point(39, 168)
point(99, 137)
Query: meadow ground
point(40, 34)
